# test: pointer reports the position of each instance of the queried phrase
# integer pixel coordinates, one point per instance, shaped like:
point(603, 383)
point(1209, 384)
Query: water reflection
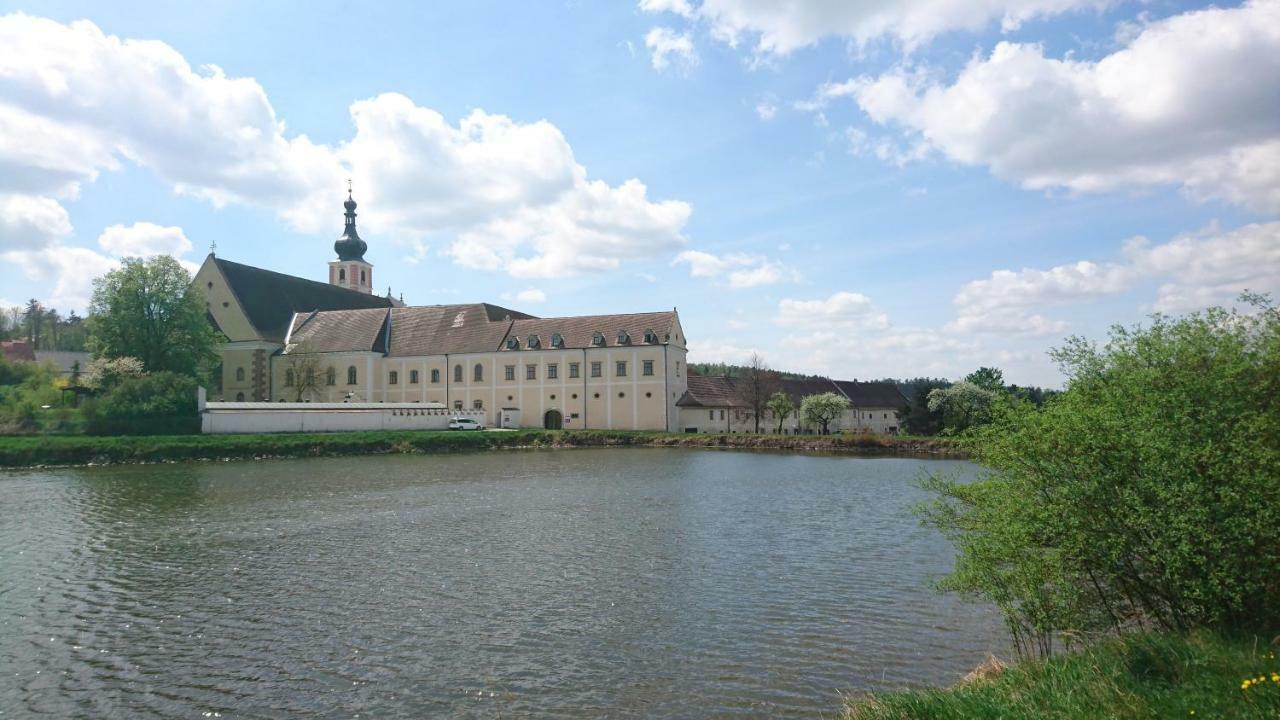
point(624, 582)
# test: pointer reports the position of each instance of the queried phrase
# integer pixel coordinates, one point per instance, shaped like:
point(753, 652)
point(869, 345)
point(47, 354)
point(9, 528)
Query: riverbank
point(50, 450)
point(1139, 676)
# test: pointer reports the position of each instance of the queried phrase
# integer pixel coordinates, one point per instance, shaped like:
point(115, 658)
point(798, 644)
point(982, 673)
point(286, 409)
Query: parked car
point(461, 423)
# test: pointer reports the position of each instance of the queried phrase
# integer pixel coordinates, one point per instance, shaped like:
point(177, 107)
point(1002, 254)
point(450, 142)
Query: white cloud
point(742, 271)
point(1195, 270)
point(667, 46)
point(531, 296)
point(782, 27)
point(506, 195)
point(143, 239)
point(842, 310)
point(767, 109)
point(1192, 100)
point(71, 270)
point(30, 222)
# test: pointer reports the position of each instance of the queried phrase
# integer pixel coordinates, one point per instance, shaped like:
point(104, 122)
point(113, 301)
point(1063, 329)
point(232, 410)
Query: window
point(534, 342)
point(342, 275)
point(677, 368)
point(477, 373)
point(362, 280)
point(393, 378)
point(530, 372)
point(573, 370)
point(621, 368)
point(331, 377)
point(597, 338)
point(650, 337)
point(477, 404)
point(457, 404)
point(511, 372)
point(413, 377)
point(457, 373)
point(648, 367)
point(310, 378)
point(712, 414)
point(351, 375)
point(513, 343)
point(288, 378)
point(435, 376)
point(721, 414)
point(557, 340)
point(239, 374)
point(595, 369)
point(553, 371)
point(623, 338)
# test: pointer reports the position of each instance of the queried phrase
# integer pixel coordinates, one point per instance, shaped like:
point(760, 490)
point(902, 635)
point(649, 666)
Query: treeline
point(44, 327)
point(737, 371)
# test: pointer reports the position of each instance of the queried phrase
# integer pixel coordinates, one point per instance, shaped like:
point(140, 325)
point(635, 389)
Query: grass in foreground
point(1139, 676)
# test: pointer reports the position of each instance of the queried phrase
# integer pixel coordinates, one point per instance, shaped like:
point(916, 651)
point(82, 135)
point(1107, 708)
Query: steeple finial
point(350, 246)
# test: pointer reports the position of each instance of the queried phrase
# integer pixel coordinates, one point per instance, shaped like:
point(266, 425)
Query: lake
point(641, 582)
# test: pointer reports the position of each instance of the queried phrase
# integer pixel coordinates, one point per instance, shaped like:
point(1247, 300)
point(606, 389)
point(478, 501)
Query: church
point(293, 340)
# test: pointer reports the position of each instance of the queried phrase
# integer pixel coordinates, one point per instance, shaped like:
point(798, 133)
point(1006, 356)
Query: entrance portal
point(553, 420)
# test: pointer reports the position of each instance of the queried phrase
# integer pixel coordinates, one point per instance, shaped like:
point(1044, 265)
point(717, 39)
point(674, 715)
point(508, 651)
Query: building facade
point(295, 340)
point(714, 405)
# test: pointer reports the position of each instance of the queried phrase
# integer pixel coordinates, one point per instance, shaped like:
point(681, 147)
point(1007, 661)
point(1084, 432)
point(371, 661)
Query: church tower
point(350, 270)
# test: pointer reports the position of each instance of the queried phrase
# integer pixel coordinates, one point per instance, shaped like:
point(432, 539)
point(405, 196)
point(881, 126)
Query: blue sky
point(863, 189)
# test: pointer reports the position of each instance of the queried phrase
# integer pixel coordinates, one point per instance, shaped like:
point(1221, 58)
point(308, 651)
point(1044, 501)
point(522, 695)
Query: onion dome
point(350, 246)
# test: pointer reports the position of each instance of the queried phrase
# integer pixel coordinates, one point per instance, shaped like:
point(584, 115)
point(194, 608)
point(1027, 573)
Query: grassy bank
point(1139, 676)
point(26, 451)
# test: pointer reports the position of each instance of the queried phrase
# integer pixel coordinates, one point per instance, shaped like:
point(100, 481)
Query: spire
point(350, 246)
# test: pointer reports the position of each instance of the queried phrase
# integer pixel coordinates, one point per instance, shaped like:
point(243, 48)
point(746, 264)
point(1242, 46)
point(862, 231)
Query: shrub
point(1145, 495)
point(161, 403)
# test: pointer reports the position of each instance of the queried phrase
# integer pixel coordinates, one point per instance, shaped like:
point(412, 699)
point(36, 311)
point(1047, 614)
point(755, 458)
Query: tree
point(821, 409)
point(916, 417)
point(987, 378)
point(302, 370)
point(33, 319)
point(148, 309)
point(963, 405)
point(755, 385)
point(106, 373)
point(781, 406)
point(1144, 495)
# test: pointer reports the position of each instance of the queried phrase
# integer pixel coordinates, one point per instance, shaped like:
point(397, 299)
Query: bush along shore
point(34, 451)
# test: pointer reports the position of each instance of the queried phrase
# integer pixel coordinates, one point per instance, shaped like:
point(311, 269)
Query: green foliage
point(1136, 677)
point(24, 388)
point(964, 405)
point(148, 309)
point(822, 408)
point(1144, 495)
point(106, 373)
point(159, 403)
point(781, 406)
point(987, 378)
point(916, 417)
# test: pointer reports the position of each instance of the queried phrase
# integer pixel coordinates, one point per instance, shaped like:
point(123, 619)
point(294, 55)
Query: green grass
point(1138, 676)
point(28, 450)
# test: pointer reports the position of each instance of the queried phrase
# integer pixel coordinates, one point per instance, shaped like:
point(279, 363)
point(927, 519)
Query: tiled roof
point(709, 391)
point(440, 329)
point(799, 389)
point(339, 331)
point(270, 299)
point(17, 351)
point(872, 394)
point(578, 332)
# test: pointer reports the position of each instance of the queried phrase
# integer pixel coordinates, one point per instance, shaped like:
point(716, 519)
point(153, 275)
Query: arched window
point(330, 377)
point(239, 397)
point(351, 375)
point(310, 377)
point(557, 340)
point(650, 337)
point(362, 280)
point(239, 374)
point(288, 378)
point(435, 376)
point(623, 338)
point(513, 343)
point(342, 275)
point(413, 377)
point(457, 373)
point(597, 338)
point(534, 342)
point(478, 374)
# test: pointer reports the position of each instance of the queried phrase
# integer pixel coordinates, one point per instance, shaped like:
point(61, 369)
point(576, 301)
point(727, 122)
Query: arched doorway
point(553, 420)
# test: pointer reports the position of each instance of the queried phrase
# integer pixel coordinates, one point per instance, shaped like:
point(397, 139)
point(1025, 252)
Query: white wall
point(222, 418)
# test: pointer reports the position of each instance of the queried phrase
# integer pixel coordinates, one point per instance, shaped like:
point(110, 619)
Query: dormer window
point(650, 337)
point(623, 338)
point(557, 341)
point(534, 342)
point(597, 339)
point(513, 343)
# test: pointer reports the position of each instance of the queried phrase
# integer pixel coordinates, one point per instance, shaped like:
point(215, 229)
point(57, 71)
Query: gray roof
point(64, 359)
point(721, 391)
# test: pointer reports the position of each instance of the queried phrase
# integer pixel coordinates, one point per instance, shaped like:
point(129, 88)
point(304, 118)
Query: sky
point(883, 188)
